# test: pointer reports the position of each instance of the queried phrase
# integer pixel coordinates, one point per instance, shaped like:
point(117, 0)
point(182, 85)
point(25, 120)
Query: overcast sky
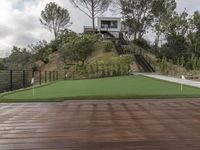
point(20, 26)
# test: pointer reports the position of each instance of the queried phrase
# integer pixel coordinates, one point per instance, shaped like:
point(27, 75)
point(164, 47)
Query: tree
point(78, 48)
point(162, 11)
point(194, 35)
point(20, 58)
point(137, 16)
point(2, 64)
point(176, 33)
point(41, 50)
point(92, 8)
point(178, 25)
point(55, 18)
point(196, 21)
point(66, 45)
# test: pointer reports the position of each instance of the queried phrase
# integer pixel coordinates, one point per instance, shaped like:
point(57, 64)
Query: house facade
point(108, 25)
point(111, 24)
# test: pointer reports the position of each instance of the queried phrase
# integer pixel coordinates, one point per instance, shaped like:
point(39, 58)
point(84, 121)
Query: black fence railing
point(16, 79)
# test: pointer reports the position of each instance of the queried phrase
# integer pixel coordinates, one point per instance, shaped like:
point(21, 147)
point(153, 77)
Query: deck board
point(101, 125)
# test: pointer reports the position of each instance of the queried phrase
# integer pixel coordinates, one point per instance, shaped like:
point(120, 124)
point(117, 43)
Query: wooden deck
point(101, 125)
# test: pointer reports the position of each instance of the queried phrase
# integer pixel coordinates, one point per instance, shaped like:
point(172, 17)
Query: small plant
point(118, 69)
point(108, 47)
point(108, 72)
point(163, 65)
point(92, 72)
point(114, 72)
point(182, 61)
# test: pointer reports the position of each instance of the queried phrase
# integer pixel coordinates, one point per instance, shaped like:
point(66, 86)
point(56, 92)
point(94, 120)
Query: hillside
point(100, 56)
point(105, 53)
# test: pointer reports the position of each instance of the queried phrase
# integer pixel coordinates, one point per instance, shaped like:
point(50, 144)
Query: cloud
point(5, 31)
point(19, 23)
point(189, 5)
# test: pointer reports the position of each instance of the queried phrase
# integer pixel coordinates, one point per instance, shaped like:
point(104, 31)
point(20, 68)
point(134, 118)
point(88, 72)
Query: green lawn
point(111, 88)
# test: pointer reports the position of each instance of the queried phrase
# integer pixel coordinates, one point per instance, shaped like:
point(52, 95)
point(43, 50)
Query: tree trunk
point(93, 23)
point(93, 17)
point(158, 34)
point(140, 35)
point(135, 35)
point(82, 62)
point(157, 40)
point(55, 34)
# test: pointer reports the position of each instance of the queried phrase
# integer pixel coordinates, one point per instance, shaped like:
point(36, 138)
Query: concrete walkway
point(173, 79)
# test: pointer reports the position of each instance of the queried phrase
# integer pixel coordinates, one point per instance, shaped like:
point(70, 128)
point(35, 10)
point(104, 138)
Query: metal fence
point(16, 79)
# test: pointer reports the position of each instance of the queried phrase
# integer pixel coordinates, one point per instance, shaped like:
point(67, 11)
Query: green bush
point(78, 48)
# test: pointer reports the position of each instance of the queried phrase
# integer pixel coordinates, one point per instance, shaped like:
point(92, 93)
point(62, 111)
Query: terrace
point(101, 125)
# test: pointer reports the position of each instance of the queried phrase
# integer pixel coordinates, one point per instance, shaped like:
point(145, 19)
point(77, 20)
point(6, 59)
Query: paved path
point(101, 125)
point(173, 79)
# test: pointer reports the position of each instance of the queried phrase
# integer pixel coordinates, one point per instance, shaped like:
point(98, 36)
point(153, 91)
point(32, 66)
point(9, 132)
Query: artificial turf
point(104, 88)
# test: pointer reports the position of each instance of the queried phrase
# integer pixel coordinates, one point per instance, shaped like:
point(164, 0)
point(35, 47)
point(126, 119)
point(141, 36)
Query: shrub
point(78, 48)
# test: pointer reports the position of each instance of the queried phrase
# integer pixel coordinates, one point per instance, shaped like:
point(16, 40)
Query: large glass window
point(109, 24)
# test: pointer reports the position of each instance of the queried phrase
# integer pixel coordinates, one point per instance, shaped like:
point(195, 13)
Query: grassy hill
point(105, 53)
point(100, 56)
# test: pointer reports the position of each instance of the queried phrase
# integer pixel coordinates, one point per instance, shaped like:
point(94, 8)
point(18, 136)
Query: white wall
point(109, 19)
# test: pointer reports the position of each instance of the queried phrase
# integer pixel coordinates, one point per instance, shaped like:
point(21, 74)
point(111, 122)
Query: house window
point(109, 24)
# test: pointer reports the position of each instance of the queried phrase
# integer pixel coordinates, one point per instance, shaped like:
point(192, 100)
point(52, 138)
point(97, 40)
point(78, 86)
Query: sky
point(20, 25)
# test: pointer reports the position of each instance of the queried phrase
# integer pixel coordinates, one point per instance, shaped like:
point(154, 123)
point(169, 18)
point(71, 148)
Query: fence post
point(45, 77)
point(11, 80)
point(24, 79)
point(53, 76)
point(49, 76)
point(56, 75)
point(40, 77)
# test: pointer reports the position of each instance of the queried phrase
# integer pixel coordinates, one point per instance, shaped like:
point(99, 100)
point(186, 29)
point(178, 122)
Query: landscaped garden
point(128, 87)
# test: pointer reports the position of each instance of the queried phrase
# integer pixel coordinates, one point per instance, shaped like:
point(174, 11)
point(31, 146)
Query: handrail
point(140, 51)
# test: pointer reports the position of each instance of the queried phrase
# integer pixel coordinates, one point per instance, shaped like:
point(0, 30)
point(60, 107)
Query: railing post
point(24, 79)
point(53, 76)
point(40, 76)
point(49, 76)
point(11, 80)
point(45, 76)
point(56, 75)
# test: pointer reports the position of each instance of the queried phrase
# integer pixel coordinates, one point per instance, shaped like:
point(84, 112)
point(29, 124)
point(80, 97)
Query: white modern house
point(111, 25)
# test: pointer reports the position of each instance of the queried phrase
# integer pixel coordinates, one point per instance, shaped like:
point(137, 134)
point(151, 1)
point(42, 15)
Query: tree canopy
point(55, 18)
point(78, 48)
point(137, 16)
